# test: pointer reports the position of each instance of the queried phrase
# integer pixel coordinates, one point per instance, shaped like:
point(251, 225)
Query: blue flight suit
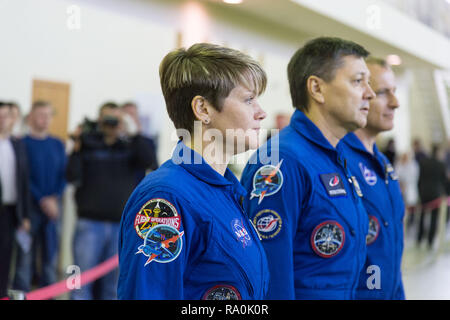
point(384, 205)
point(307, 208)
point(184, 235)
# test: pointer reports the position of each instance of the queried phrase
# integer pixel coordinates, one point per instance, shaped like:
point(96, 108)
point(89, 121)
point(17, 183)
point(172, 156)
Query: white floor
point(426, 273)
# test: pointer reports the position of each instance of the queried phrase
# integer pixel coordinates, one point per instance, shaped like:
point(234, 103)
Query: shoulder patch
point(327, 239)
point(154, 212)
point(162, 243)
point(222, 292)
point(268, 223)
point(267, 181)
point(333, 184)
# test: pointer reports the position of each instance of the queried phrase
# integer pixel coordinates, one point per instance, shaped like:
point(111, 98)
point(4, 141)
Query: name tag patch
point(333, 184)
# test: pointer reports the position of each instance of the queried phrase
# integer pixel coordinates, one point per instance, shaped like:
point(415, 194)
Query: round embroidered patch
point(328, 239)
point(374, 230)
point(241, 233)
point(222, 292)
point(153, 212)
point(162, 243)
point(267, 181)
point(268, 223)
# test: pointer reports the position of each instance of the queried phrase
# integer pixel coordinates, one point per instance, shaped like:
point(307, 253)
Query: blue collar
point(194, 163)
point(305, 127)
point(352, 140)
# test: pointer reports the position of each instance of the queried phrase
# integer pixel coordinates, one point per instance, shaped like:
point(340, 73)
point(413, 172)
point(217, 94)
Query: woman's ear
point(315, 87)
point(200, 109)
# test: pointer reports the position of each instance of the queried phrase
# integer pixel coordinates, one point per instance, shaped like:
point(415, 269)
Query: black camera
point(110, 121)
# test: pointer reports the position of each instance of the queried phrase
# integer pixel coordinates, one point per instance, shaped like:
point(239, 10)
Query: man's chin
point(357, 125)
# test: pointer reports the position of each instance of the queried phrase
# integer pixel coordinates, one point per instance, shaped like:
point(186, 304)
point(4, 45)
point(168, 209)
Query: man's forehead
point(380, 73)
point(354, 65)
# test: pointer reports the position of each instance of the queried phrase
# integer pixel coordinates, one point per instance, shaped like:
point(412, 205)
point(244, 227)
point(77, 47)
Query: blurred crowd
point(424, 178)
point(104, 159)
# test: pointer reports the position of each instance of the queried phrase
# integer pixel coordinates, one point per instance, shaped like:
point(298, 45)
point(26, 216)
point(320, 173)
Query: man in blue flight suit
point(381, 276)
point(304, 201)
point(183, 232)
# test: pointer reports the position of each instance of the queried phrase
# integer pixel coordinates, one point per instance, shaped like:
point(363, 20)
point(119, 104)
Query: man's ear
point(315, 86)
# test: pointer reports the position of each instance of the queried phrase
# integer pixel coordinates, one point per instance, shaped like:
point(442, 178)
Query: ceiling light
point(232, 1)
point(394, 60)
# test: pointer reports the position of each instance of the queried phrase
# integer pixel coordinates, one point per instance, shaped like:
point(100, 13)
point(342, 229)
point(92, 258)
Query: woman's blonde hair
point(207, 70)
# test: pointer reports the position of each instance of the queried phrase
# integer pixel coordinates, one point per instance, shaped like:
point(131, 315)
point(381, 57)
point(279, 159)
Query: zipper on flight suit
point(358, 220)
point(254, 234)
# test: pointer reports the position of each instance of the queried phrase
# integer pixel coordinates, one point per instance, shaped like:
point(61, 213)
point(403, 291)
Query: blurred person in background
point(419, 151)
point(382, 196)
point(19, 126)
point(130, 108)
point(281, 121)
point(47, 164)
point(432, 185)
point(407, 170)
point(389, 151)
point(447, 169)
point(14, 194)
point(103, 168)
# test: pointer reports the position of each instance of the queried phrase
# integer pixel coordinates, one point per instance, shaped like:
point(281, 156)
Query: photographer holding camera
point(103, 168)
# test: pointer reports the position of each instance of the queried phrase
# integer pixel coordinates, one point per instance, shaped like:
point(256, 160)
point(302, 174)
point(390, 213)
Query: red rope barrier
point(61, 287)
point(435, 204)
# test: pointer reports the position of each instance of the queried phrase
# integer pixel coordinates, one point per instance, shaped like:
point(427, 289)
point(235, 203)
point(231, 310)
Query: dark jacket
point(104, 175)
point(432, 179)
point(22, 182)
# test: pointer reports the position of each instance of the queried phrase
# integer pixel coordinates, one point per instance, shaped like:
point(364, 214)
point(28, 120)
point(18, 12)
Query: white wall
point(111, 56)
point(110, 50)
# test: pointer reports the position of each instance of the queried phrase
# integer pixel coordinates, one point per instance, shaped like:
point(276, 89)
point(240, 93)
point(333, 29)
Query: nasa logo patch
point(369, 175)
point(268, 223)
point(222, 292)
point(267, 181)
point(241, 233)
point(162, 243)
point(153, 212)
point(327, 239)
point(374, 230)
